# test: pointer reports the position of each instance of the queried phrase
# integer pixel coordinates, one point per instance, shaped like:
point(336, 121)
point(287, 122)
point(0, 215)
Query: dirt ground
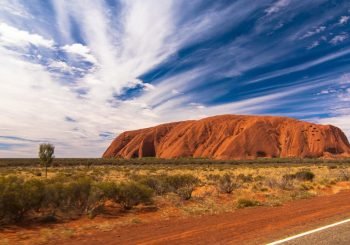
point(246, 226)
point(208, 217)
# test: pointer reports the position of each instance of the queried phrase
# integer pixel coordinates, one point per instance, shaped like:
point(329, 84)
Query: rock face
point(232, 137)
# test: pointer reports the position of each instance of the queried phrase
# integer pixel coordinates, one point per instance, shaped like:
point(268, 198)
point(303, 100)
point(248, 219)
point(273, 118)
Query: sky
point(77, 73)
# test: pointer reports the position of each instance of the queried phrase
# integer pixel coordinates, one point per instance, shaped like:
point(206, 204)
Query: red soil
point(246, 226)
point(233, 137)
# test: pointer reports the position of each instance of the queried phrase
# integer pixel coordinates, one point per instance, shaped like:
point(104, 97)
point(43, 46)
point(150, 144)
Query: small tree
point(46, 156)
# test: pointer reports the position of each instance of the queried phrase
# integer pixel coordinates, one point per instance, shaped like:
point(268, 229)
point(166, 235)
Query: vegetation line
point(22, 162)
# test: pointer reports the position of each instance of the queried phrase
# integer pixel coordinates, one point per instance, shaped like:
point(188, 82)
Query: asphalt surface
point(339, 234)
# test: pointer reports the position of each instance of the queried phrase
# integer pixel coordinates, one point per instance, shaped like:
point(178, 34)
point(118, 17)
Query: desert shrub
point(259, 178)
point(284, 183)
point(109, 189)
point(243, 203)
point(99, 194)
point(156, 183)
point(33, 194)
point(77, 193)
point(245, 178)
point(183, 185)
point(161, 184)
point(305, 175)
point(213, 177)
point(343, 175)
point(289, 177)
point(185, 193)
point(175, 182)
point(132, 193)
point(226, 184)
point(272, 183)
point(11, 206)
point(55, 197)
point(66, 196)
point(305, 187)
point(18, 197)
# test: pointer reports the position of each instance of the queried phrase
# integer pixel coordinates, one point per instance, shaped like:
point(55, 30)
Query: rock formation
point(232, 137)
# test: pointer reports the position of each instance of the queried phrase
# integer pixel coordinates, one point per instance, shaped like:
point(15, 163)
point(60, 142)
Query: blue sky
point(77, 73)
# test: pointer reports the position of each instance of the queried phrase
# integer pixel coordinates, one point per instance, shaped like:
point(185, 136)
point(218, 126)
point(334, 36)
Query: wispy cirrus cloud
point(11, 36)
point(344, 19)
point(339, 38)
point(83, 72)
point(277, 6)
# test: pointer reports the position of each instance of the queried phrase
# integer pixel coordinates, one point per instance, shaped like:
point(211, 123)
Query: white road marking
point(308, 232)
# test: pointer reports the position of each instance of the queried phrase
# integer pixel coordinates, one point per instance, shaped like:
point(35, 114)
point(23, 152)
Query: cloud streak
point(87, 70)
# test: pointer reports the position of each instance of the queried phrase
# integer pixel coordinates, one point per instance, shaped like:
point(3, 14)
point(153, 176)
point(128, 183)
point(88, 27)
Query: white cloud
point(339, 38)
point(11, 36)
point(123, 46)
point(344, 79)
point(79, 49)
point(344, 20)
point(314, 45)
point(34, 106)
point(15, 8)
point(175, 91)
point(61, 65)
point(324, 92)
point(313, 32)
point(339, 106)
point(277, 6)
point(302, 66)
point(198, 106)
point(137, 82)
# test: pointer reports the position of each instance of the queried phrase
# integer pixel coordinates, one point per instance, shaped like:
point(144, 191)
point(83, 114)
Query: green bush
point(18, 197)
point(132, 193)
point(226, 184)
point(156, 183)
point(54, 197)
point(77, 193)
point(33, 194)
point(77, 196)
point(99, 194)
point(175, 182)
point(305, 175)
point(162, 184)
point(68, 196)
point(11, 205)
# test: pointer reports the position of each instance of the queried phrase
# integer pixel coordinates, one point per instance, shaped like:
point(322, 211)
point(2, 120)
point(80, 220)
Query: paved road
point(339, 234)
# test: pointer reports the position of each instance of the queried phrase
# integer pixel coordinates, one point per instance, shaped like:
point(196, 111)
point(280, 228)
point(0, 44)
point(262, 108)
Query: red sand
point(246, 226)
